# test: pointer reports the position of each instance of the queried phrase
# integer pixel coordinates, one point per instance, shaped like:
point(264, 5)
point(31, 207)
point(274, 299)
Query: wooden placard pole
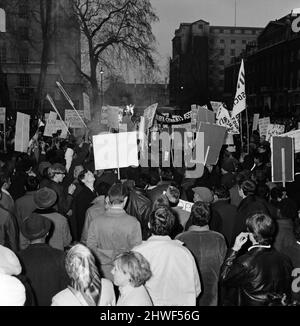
point(283, 166)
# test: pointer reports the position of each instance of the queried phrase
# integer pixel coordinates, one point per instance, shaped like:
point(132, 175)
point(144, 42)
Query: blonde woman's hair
point(82, 270)
point(136, 265)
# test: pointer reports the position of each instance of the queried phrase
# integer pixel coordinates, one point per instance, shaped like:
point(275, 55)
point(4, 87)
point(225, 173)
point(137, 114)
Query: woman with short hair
point(131, 271)
point(250, 279)
point(87, 288)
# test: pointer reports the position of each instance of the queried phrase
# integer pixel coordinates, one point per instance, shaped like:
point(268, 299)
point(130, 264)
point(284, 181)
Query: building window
point(221, 62)
point(232, 52)
point(222, 41)
point(23, 10)
point(221, 31)
point(24, 80)
point(2, 20)
point(23, 56)
point(244, 42)
point(232, 41)
point(221, 82)
point(226, 31)
point(216, 30)
point(200, 27)
point(222, 52)
point(2, 54)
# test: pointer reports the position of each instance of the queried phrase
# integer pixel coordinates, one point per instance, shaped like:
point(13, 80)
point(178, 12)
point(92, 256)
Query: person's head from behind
point(117, 195)
point(200, 214)
point(57, 172)
point(131, 268)
point(161, 201)
point(31, 183)
point(173, 195)
point(262, 229)
point(248, 187)
point(263, 191)
point(162, 221)
point(81, 268)
point(5, 181)
point(221, 193)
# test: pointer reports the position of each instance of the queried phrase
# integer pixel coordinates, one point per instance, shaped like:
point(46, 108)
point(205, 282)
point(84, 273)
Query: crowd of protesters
point(73, 236)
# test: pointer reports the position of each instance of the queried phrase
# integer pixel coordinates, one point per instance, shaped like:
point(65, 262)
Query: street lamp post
point(101, 87)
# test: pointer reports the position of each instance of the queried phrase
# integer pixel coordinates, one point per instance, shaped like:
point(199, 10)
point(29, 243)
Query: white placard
point(22, 132)
point(263, 126)
point(185, 205)
point(115, 150)
point(296, 135)
point(274, 130)
point(255, 121)
point(73, 120)
point(50, 128)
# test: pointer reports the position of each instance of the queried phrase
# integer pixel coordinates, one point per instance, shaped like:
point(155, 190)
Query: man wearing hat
point(60, 236)
point(42, 265)
point(56, 175)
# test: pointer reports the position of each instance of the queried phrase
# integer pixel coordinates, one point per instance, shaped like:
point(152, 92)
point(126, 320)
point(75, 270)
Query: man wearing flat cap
point(60, 236)
point(42, 265)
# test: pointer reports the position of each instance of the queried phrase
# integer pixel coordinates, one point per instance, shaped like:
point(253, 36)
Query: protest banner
point(50, 128)
point(274, 130)
point(295, 134)
point(282, 159)
point(255, 121)
point(239, 104)
point(214, 137)
point(194, 115)
point(263, 126)
point(149, 115)
point(72, 119)
point(22, 132)
point(224, 119)
point(113, 151)
point(178, 119)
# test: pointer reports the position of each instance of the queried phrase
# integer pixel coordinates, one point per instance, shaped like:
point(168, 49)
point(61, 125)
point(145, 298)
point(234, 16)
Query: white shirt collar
point(259, 246)
point(5, 192)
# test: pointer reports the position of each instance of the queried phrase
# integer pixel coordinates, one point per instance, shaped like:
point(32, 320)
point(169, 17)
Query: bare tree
point(114, 31)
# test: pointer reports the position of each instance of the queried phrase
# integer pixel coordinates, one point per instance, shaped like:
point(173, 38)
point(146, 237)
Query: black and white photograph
point(149, 156)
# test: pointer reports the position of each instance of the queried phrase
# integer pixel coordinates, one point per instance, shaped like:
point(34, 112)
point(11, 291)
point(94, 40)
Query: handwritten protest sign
point(255, 121)
point(72, 119)
point(263, 126)
point(185, 205)
point(50, 128)
point(274, 130)
point(149, 115)
point(225, 120)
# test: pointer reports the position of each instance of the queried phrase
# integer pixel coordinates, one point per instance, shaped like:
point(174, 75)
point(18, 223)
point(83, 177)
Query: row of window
point(222, 41)
point(23, 54)
point(236, 31)
point(232, 52)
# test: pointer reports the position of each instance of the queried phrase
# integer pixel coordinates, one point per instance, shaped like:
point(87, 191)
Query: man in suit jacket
point(42, 265)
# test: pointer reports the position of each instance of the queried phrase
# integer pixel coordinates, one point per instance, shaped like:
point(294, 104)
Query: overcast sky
point(254, 13)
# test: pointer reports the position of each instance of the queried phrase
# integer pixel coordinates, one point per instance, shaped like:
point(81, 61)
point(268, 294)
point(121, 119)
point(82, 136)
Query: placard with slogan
point(22, 132)
point(185, 205)
point(149, 115)
point(214, 137)
point(113, 151)
point(295, 134)
point(263, 126)
point(255, 121)
point(72, 119)
point(282, 159)
point(224, 119)
point(50, 128)
point(274, 130)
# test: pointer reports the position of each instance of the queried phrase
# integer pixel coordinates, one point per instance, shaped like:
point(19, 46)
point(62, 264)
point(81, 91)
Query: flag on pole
point(239, 104)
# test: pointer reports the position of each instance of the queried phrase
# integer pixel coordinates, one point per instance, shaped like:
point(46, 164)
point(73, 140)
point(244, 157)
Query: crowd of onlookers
point(73, 236)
